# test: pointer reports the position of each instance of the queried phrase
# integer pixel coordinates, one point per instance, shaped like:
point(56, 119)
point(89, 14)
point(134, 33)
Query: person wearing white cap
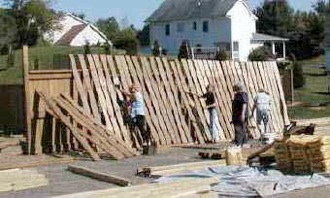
point(262, 105)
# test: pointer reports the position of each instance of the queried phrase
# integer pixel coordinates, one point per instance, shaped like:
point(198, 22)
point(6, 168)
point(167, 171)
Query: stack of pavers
point(319, 153)
point(303, 154)
point(282, 156)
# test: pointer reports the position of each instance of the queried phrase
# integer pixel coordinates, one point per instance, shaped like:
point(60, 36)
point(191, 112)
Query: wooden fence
point(87, 94)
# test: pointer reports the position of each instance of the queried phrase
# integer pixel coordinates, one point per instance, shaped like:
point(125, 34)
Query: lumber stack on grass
point(19, 179)
point(182, 187)
point(173, 116)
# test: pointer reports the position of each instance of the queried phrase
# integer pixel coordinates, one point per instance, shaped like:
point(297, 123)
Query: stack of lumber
point(303, 154)
point(174, 117)
point(19, 179)
point(181, 188)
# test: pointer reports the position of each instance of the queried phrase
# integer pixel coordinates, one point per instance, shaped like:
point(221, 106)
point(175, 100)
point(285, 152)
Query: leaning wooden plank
point(112, 68)
point(100, 95)
point(281, 92)
point(78, 84)
point(151, 101)
point(90, 90)
point(174, 88)
point(162, 93)
point(179, 130)
point(113, 94)
point(104, 90)
point(99, 175)
point(185, 101)
point(139, 190)
point(112, 143)
point(63, 118)
point(151, 115)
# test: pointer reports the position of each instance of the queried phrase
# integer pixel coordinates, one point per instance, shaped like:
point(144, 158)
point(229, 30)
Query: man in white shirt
point(262, 105)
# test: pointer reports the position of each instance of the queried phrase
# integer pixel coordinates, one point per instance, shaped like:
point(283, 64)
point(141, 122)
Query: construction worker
point(211, 107)
point(240, 114)
point(137, 113)
point(262, 106)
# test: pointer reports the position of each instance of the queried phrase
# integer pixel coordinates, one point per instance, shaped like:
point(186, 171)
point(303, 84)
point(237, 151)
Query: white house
point(226, 24)
point(74, 31)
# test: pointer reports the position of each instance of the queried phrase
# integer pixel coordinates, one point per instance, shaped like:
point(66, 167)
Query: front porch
point(276, 44)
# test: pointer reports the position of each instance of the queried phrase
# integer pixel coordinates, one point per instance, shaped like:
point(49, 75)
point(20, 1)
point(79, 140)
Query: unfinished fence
point(82, 108)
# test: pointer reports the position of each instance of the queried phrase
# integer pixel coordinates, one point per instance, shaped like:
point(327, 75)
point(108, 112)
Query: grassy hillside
point(45, 57)
point(314, 95)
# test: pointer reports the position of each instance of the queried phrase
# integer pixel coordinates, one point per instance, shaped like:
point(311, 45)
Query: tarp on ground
point(246, 181)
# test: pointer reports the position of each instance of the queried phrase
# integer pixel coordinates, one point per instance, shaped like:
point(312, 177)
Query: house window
point(194, 25)
point(236, 46)
point(180, 27)
point(205, 26)
point(167, 29)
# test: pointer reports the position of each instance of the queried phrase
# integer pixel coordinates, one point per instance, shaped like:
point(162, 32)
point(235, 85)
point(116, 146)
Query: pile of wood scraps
point(91, 135)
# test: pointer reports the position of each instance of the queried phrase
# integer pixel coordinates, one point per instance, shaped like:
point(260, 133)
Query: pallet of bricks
point(302, 154)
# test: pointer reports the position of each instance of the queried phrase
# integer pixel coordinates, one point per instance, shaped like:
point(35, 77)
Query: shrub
point(298, 75)
point(261, 54)
point(184, 50)
point(106, 48)
point(222, 55)
point(156, 49)
point(126, 40)
point(87, 48)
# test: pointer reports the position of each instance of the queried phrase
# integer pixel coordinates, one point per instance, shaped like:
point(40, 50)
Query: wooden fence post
point(27, 99)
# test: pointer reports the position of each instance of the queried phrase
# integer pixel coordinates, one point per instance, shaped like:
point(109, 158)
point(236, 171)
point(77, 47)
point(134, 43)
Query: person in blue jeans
point(211, 107)
point(137, 113)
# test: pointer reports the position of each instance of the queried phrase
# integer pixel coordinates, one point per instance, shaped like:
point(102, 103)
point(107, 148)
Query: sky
point(133, 11)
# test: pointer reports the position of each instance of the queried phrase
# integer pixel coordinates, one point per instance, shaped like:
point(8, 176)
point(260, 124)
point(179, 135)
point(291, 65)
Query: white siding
point(242, 28)
point(218, 31)
point(327, 59)
point(88, 34)
point(66, 23)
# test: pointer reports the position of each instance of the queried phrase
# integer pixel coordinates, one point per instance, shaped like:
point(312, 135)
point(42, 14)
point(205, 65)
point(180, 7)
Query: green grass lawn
point(314, 94)
point(43, 57)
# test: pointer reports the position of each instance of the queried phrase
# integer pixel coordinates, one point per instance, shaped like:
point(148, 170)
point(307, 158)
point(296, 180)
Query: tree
point(33, 18)
point(7, 31)
point(156, 50)
point(109, 27)
point(298, 75)
point(184, 50)
point(261, 54)
point(126, 40)
point(275, 18)
point(143, 35)
point(221, 55)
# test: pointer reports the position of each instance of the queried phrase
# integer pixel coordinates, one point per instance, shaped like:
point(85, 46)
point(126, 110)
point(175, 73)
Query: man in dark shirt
point(240, 114)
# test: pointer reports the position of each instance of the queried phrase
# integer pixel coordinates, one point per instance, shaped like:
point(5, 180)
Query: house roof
point(265, 37)
point(187, 9)
point(67, 38)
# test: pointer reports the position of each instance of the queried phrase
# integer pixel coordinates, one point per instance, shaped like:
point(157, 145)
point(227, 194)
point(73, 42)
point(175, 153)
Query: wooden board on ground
point(99, 175)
